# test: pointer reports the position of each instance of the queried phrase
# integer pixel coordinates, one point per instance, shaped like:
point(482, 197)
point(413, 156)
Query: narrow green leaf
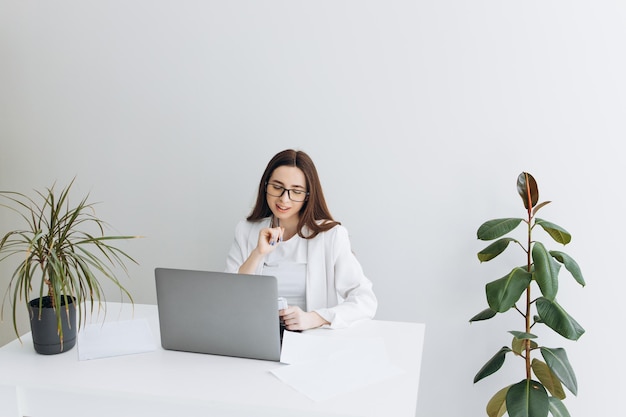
point(527, 189)
point(570, 264)
point(557, 408)
point(496, 228)
point(503, 293)
point(553, 315)
point(550, 381)
point(495, 249)
point(557, 233)
point(527, 398)
point(486, 314)
point(557, 361)
point(492, 364)
point(496, 407)
point(546, 271)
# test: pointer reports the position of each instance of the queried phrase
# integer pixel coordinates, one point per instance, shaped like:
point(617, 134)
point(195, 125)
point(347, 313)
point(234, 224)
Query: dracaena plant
point(530, 291)
point(63, 252)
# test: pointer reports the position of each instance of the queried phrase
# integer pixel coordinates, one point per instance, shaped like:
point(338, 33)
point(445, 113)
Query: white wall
point(419, 115)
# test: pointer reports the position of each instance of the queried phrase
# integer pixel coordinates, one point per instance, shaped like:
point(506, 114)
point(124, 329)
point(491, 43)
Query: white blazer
point(336, 287)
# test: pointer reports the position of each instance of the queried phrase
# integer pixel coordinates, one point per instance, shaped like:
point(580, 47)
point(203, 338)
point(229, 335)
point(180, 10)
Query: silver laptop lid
point(218, 313)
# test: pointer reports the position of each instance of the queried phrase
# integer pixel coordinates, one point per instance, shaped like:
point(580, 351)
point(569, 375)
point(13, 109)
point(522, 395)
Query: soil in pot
point(46, 340)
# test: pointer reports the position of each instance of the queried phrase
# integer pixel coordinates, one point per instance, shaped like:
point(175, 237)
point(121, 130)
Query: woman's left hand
point(296, 319)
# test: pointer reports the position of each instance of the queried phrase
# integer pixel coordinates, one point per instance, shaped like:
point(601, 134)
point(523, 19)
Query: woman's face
point(286, 178)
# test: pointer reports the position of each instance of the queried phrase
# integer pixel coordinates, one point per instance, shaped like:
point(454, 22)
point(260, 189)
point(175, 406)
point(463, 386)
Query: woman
point(291, 235)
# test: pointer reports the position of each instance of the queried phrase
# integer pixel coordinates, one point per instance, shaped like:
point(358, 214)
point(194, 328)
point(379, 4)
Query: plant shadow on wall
point(530, 397)
point(62, 251)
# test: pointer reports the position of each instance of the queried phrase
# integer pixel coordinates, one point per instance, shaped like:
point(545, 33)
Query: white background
point(419, 116)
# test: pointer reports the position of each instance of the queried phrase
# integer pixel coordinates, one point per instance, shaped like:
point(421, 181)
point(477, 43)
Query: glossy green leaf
point(486, 314)
point(527, 398)
point(528, 190)
point(550, 381)
point(553, 315)
point(557, 408)
point(496, 228)
point(519, 345)
point(522, 335)
point(496, 407)
point(492, 364)
point(557, 361)
point(503, 293)
point(557, 233)
point(495, 249)
point(546, 271)
point(570, 264)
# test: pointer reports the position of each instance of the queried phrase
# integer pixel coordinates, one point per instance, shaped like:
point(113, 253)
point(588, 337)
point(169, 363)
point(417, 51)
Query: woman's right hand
point(269, 238)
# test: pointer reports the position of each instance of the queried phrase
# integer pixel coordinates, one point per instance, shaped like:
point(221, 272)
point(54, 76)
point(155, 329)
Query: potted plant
point(541, 391)
point(62, 252)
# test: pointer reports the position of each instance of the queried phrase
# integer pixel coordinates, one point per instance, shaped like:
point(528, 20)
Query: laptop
point(218, 313)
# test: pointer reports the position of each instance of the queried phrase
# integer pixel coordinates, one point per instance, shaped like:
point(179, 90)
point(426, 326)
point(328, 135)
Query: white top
point(336, 287)
point(288, 264)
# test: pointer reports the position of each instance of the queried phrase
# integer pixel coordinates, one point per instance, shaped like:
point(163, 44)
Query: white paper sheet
point(323, 367)
point(115, 338)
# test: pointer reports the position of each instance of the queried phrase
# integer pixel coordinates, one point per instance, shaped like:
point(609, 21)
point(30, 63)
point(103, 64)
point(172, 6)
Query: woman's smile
point(282, 209)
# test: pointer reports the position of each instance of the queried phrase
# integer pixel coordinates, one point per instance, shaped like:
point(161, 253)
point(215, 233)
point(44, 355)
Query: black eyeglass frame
point(289, 190)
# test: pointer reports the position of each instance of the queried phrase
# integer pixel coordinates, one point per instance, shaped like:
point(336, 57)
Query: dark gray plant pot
point(45, 336)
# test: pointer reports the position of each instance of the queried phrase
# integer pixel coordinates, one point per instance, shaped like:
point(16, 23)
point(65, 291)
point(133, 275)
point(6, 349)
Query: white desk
point(168, 383)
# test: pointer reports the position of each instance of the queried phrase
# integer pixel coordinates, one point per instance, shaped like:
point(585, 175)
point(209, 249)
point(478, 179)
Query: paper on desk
point(115, 338)
point(322, 367)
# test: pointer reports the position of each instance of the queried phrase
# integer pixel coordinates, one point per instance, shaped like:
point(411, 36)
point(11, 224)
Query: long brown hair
point(314, 214)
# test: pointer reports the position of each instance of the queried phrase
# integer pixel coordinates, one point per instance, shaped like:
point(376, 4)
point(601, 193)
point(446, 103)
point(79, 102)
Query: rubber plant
point(62, 251)
point(547, 369)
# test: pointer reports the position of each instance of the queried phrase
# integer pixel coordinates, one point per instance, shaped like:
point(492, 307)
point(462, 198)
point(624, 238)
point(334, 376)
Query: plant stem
point(528, 298)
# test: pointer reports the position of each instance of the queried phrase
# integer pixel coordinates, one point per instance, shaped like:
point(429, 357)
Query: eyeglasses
point(294, 194)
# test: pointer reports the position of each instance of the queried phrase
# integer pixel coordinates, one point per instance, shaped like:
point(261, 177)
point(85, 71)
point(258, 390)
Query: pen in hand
point(280, 239)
